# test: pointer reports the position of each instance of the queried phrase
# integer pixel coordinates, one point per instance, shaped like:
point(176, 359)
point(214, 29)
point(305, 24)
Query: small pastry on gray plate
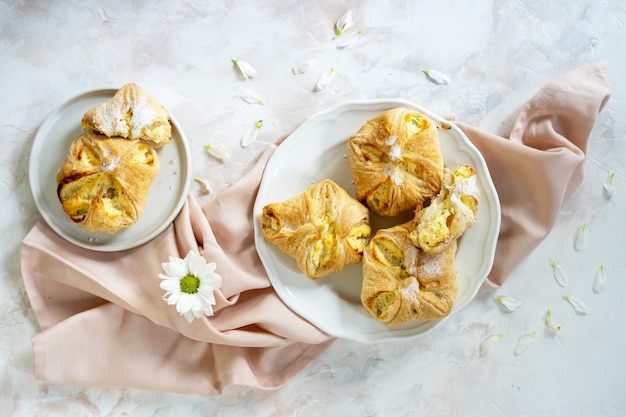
point(131, 114)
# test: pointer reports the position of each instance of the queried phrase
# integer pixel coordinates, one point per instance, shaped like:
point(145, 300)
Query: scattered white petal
point(344, 23)
point(507, 303)
point(609, 188)
point(550, 322)
point(304, 66)
point(250, 97)
point(576, 303)
point(599, 281)
point(246, 70)
point(437, 77)
point(251, 134)
point(523, 342)
point(218, 151)
point(204, 184)
point(488, 343)
point(579, 238)
point(559, 273)
point(349, 39)
point(325, 80)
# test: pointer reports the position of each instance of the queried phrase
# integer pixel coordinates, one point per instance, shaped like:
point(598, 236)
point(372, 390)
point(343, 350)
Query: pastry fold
point(104, 182)
point(323, 228)
point(131, 114)
point(402, 283)
point(396, 161)
point(450, 213)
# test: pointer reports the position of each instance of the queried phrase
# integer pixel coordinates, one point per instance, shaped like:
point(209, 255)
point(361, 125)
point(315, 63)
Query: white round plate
point(167, 195)
point(317, 150)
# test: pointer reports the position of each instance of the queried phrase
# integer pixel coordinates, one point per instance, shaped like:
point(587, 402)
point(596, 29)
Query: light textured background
point(497, 53)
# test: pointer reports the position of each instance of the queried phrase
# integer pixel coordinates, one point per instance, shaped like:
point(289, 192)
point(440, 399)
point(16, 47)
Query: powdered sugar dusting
point(395, 153)
point(143, 115)
point(430, 267)
point(394, 173)
point(410, 259)
point(410, 293)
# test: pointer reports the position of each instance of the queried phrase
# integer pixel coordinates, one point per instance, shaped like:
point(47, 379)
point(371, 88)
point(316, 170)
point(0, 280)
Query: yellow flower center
point(189, 284)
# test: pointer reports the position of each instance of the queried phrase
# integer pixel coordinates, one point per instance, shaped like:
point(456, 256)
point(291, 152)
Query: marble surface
point(497, 54)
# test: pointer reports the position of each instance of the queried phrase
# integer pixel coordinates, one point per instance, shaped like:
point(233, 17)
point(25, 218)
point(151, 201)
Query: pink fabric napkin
point(103, 322)
point(541, 163)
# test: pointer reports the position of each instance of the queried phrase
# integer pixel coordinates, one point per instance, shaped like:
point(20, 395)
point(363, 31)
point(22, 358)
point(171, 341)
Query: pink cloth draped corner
point(103, 322)
point(541, 163)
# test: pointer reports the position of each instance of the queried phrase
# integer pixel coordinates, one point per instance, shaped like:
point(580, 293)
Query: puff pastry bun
point(409, 270)
point(396, 161)
point(104, 182)
point(323, 228)
point(451, 213)
point(402, 283)
point(131, 114)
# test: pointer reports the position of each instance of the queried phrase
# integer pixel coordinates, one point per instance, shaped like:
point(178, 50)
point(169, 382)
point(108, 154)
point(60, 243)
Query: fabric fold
point(103, 322)
point(541, 163)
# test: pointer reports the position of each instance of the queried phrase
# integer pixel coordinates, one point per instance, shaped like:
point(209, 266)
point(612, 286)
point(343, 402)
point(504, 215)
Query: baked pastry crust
point(402, 283)
point(323, 228)
point(131, 114)
point(104, 182)
point(396, 161)
point(449, 214)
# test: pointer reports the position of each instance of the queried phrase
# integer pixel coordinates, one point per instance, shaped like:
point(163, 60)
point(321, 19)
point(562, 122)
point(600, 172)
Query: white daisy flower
point(189, 284)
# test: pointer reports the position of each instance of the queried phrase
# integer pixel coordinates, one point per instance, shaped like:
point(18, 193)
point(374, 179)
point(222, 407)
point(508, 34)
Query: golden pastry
point(401, 283)
point(396, 161)
point(449, 214)
point(131, 114)
point(103, 184)
point(323, 228)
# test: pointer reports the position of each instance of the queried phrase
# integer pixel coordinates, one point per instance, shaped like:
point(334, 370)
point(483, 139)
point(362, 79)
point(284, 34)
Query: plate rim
point(33, 177)
point(489, 250)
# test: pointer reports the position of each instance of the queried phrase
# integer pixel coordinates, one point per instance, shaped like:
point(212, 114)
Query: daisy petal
point(251, 134)
point(523, 342)
point(304, 66)
point(349, 39)
point(507, 303)
point(174, 268)
point(246, 70)
point(325, 80)
point(437, 77)
point(579, 238)
point(576, 303)
point(218, 151)
point(559, 273)
point(609, 188)
point(488, 342)
point(599, 281)
point(550, 323)
point(344, 23)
